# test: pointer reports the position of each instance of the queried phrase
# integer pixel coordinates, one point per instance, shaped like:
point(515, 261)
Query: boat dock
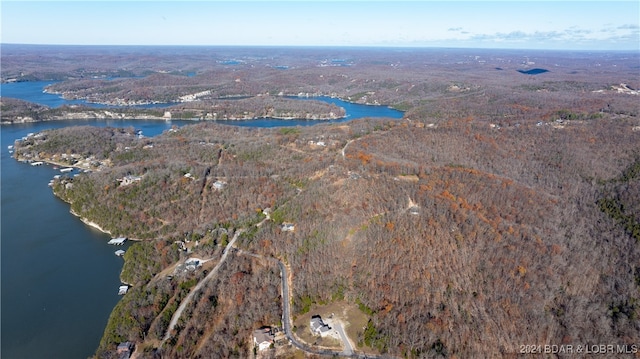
point(117, 241)
point(120, 252)
point(122, 290)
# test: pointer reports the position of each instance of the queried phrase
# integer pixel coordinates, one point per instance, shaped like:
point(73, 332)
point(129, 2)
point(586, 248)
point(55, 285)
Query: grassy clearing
point(353, 318)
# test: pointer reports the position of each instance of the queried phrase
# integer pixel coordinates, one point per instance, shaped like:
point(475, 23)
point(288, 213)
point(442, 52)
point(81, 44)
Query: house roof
point(125, 345)
point(263, 335)
point(317, 325)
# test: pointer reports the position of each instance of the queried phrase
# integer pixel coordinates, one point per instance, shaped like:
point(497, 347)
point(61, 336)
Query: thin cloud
point(568, 35)
point(628, 27)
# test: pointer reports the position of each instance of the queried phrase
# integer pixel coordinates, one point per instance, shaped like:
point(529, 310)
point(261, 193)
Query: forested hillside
point(501, 211)
point(458, 236)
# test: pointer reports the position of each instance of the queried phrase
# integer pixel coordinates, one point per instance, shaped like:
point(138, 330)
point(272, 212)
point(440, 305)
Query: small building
point(318, 327)
point(192, 264)
point(127, 180)
point(181, 245)
point(288, 227)
point(124, 350)
point(219, 185)
point(263, 338)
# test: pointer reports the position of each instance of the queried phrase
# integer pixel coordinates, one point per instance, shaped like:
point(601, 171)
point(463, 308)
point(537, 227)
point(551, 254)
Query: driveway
point(348, 349)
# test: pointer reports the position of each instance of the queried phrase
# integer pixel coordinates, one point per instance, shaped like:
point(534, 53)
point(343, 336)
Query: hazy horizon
point(534, 25)
point(340, 47)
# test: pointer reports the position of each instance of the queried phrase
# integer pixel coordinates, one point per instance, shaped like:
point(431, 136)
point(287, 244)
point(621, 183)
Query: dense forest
point(501, 211)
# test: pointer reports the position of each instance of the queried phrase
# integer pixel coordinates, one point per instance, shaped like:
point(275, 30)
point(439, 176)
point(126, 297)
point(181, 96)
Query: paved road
point(286, 308)
point(286, 319)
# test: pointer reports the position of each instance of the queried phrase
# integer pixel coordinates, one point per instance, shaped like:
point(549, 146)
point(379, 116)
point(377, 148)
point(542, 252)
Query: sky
point(542, 24)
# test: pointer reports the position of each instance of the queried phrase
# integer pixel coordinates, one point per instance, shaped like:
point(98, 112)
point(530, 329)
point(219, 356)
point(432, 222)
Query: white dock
point(120, 252)
point(122, 290)
point(117, 241)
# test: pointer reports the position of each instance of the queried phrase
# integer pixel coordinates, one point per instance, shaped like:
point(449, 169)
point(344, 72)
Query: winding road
point(286, 306)
point(189, 297)
point(286, 320)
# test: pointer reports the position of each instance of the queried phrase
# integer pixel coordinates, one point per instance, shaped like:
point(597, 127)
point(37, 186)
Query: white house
point(219, 185)
point(129, 179)
point(263, 338)
point(318, 327)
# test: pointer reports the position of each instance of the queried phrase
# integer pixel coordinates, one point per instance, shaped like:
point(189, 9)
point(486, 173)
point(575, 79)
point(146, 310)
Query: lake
point(33, 92)
point(60, 278)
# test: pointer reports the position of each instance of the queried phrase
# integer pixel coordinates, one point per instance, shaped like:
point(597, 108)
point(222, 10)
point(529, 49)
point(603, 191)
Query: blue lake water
point(60, 277)
point(33, 91)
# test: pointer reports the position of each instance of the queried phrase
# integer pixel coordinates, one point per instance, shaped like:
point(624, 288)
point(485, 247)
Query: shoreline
point(83, 116)
point(55, 163)
point(120, 113)
point(97, 226)
point(90, 223)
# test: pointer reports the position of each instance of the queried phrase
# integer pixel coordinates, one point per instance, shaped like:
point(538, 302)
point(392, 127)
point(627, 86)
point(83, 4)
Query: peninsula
point(500, 211)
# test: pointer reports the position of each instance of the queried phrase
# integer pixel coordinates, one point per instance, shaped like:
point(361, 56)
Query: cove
point(34, 92)
point(59, 276)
